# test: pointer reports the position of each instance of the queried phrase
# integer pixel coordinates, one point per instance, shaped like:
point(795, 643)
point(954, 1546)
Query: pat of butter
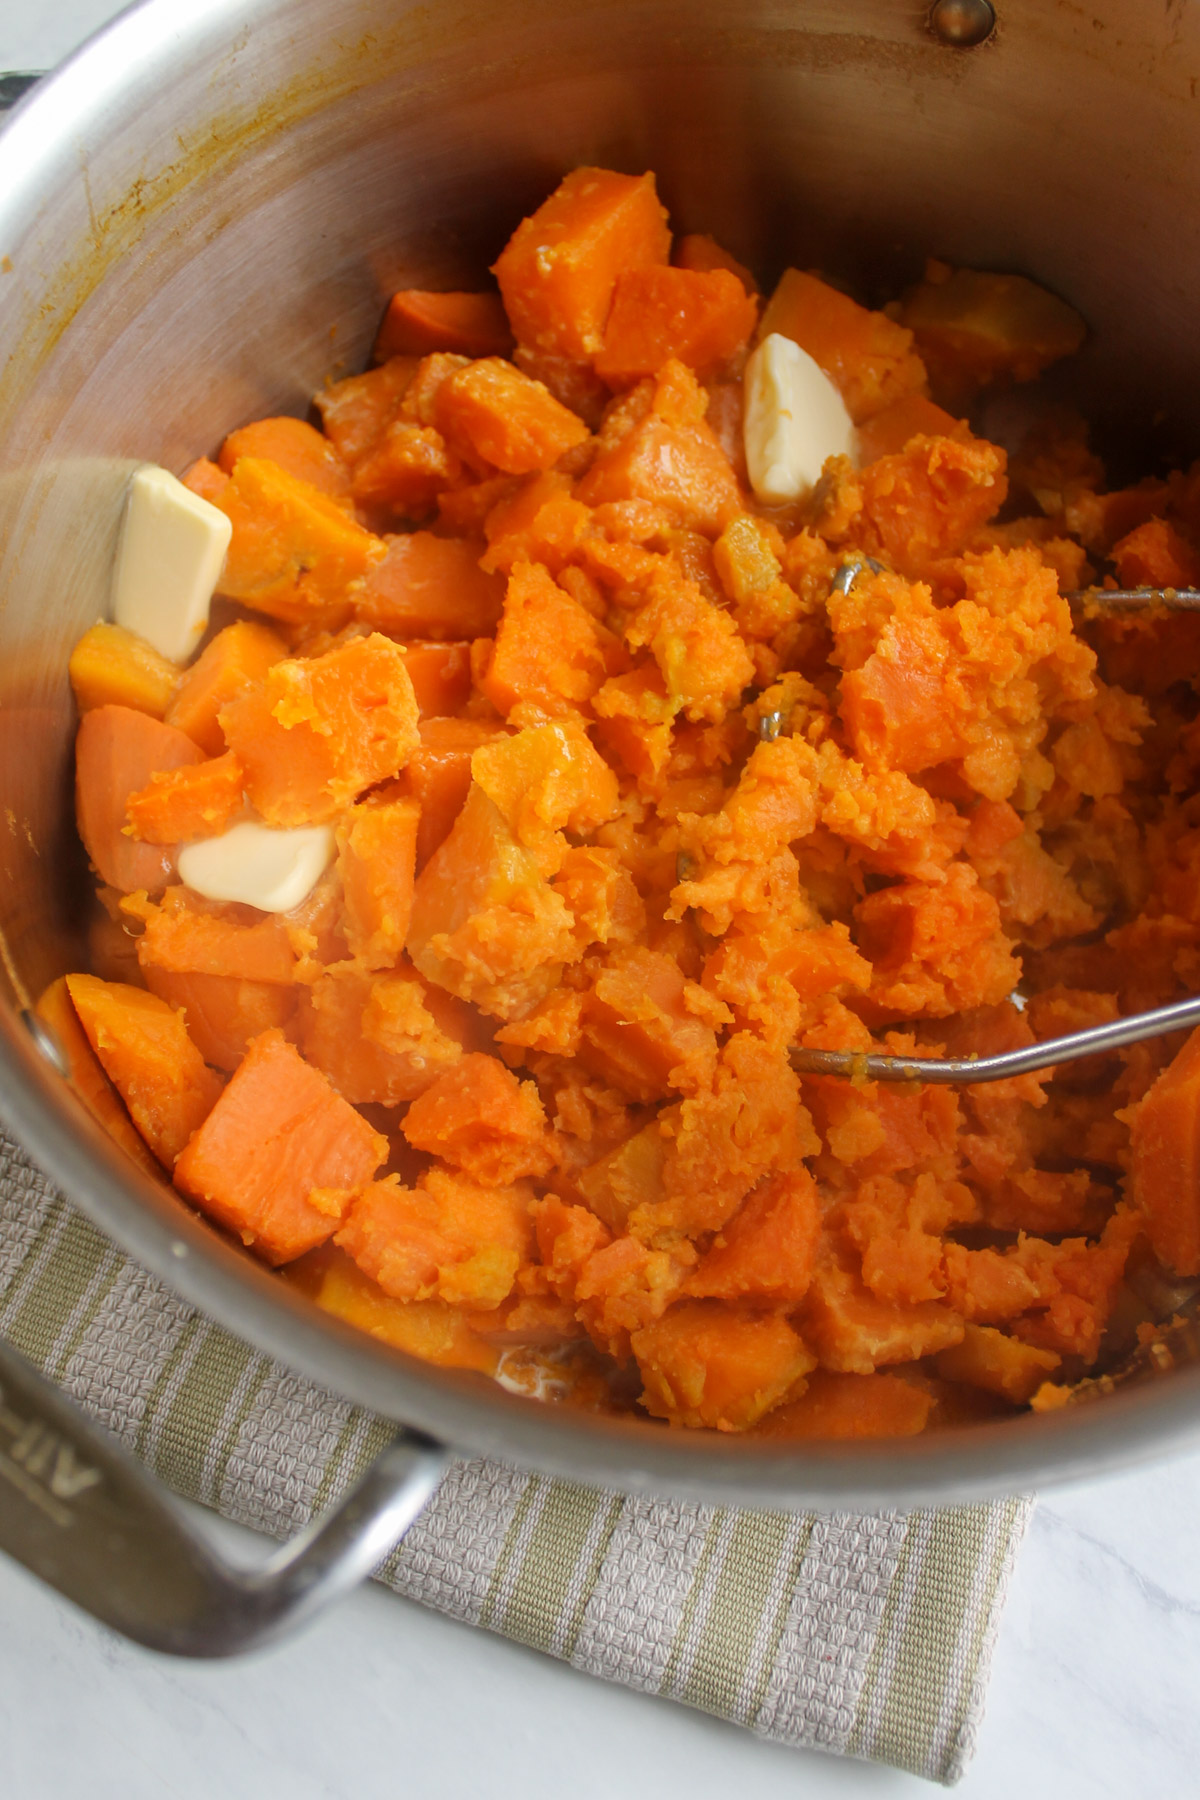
point(257, 866)
point(795, 418)
point(171, 554)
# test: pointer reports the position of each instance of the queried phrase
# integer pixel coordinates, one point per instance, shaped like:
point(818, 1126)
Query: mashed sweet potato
point(635, 785)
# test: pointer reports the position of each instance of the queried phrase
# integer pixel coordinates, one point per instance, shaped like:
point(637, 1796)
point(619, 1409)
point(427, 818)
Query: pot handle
point(79, 1512)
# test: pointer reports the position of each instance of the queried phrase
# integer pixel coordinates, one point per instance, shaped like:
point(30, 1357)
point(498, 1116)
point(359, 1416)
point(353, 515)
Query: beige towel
point(860, 1635)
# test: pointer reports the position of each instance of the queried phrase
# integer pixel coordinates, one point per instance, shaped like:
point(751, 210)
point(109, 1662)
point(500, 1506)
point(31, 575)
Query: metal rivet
point(962, 23)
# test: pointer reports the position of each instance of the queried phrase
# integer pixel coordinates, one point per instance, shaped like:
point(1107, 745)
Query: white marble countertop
point(1094, 1689)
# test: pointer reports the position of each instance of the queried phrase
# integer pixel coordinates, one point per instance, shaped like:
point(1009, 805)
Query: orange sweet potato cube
point(179, 805)
point(375, 1039)
point(191, 935)
point(702, 318)
point(637, 1031)
point(439, 776)
point(973, 327)
point(222, 1012)
point(296, 446)
point(441, 677)
point(406, 470)
point(431, 587)
point(866, 355)
point(997, 1363)
point(479, 1117)
point(707, 1365)
point(851, 1406)
point(628, 1178)
point(236, 659)
point(377, 846)
point(295, 554)
point(447, 1237)
point(321, 729)
point(1165, 1160)
point(537, 520)
point(110, 666)
point(493, 413)
point(889, 431)
point(669, 455)
point(546, 779)
point(1156, 554)
point(853, 1332)
point(768, 1250)
point(486, 924)
point(418, 322)
point(85, 1072)
point(117, 750)
point(144, 1048)
point(356, 412)
point(206, 479)
point(558, 270)
point(549, 653)
point(696, 250)
point(280, 1156)
point(430, 1329)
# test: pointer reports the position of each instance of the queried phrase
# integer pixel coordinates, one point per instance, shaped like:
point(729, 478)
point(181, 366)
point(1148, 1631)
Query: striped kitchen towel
point(866, 1636)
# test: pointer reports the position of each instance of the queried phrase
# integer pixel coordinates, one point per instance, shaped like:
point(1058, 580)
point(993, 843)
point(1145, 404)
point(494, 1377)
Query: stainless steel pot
point(187, 208)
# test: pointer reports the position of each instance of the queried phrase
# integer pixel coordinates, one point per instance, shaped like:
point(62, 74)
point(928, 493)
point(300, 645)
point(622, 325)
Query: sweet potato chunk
point(296, 447)
point(375, 1039)
point(480, 1118)
point(356, 412)
point(486, 924)
point(117, 751)
point(637, 1030)
point(768, 1250)
point(197, 801)
point(972, 328)
point(280, 1155)
point(237, 659)
point(447, 1237)
point(1165, 1165)
point(854, 1333)
point(546, 779)
point(707, 1365)
point(430, 1329)
point(912, 415)
point(865, 354)
point(431, 587)
point(85, 1072)
point(493, 412)
point(851, 1406)
point(147, 1054)
point(439, 776)
point(999, 1364)
point(696, 250)
point(549, 653)
point(319, 730)
point(417, 322)
point(113, 667)
point(659, 313)
point(223, 1013)
point(190, 935)
point(441, 677)
point(406, 471)
point(667, 454)
point(295, 553)
point(558, 271)
point(377, 848)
